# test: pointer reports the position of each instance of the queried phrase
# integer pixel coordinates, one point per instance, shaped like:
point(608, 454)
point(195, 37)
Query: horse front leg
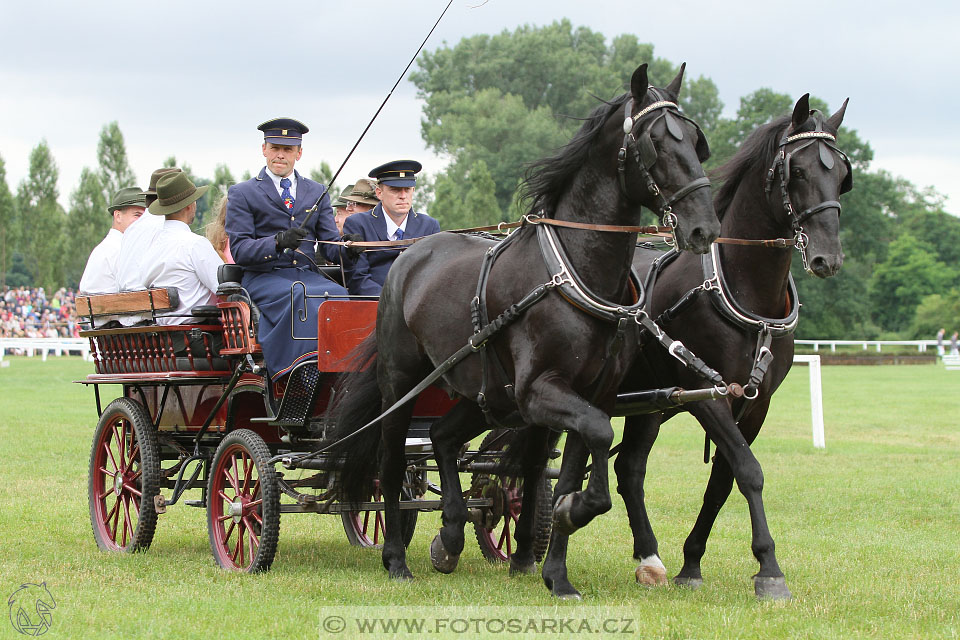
point(734, 446)
point(462, 423)
point(639, 434)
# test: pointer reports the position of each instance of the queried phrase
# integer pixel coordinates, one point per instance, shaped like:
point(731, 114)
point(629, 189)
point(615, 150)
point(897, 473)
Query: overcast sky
point(193, 79)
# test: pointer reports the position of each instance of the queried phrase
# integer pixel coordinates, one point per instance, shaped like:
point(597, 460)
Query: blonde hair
point(215, 231)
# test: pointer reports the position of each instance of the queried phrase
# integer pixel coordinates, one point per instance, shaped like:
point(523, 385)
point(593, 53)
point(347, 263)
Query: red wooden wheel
point(124, 478)
point(243, 504)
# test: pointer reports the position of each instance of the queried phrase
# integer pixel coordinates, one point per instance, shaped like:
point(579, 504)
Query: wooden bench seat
point(129, 302)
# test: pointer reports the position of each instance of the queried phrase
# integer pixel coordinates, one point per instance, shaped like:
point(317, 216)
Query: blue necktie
point(285, 196)
point(399, 234)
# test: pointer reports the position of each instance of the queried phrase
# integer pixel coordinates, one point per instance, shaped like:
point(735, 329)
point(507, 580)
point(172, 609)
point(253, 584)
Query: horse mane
point(754, 155)
point(546, 180)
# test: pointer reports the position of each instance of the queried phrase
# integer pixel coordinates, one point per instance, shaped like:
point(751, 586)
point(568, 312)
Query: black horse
point(735, 307)
point(541, 365)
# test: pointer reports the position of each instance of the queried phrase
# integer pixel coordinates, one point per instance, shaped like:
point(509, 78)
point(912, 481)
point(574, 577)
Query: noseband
point(638, 141)
point(781, 167)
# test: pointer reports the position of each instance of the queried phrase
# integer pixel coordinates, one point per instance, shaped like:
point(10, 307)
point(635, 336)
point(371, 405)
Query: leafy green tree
point(222, 180)
point(115, 172)
point(478, 208)
point(88, 221)
point(910, 272)
point(936, 311)
point(42, 219)
point(511, 98)
point(322, 174)
point(9, 224)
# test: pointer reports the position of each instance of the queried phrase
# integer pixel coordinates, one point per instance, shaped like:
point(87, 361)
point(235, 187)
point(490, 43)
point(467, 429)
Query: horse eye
point(797, 173)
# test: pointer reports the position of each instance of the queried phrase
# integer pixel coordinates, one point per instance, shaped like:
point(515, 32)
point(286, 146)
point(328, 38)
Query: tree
point(8, 224)
point(910, 272)
point(936, 311)
point(511, 98)
point(88, 222)
point(479, 206)
point(115, 172)
point(222, 180)
point(42, 219)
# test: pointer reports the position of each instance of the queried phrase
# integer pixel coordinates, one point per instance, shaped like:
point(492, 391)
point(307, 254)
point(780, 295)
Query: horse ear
point(639, 83)
point(836, 119)
point(801, 112)
point(674, 87)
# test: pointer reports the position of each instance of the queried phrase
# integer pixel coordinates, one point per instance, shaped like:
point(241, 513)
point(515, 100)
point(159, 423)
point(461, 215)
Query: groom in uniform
point(393, 218)
point(272, 237)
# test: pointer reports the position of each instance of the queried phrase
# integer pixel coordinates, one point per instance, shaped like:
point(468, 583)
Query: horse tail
point(356, 401)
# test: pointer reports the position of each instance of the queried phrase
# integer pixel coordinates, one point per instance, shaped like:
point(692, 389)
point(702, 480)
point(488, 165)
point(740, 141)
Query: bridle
point(636, 139)
point(825, 142)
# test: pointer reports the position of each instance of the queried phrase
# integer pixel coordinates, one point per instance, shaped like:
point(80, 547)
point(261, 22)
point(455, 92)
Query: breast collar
point(568, 283)
point(715, 283)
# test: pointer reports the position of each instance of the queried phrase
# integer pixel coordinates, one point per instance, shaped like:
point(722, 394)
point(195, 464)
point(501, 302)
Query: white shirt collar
point(276, 182)
point(391, 226)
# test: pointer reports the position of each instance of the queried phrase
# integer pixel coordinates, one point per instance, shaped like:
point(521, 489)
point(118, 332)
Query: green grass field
point(867, 532)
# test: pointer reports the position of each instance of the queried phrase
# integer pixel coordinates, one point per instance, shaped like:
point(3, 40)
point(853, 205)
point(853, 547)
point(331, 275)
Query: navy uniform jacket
point(366, 275)
point(255, 215)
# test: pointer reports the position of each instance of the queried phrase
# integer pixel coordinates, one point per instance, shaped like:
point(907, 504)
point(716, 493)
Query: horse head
point(660, 162)
point(805, 181)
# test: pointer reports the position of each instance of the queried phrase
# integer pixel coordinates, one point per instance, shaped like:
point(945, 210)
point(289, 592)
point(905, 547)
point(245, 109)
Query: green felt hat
point(127, 197)
point(174, 192)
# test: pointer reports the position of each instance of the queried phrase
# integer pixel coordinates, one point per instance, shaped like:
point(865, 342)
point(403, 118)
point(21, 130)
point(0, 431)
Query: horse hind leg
point(461, 424)
point(392, 467)
point(554, 570)
point(536, 443)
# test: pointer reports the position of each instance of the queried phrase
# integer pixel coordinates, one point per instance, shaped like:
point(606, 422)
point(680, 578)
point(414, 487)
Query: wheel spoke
point(253, 536)
point(134, 455)
point(379, 529)
point(112, 474)
point(255, 503)
point(129, 487)
point(106, 446)
point(112, 514)
point(247, 471)
point(126, 521)
point(224, 518)
point(106, 493)
point(235, 479)
point(226, 536)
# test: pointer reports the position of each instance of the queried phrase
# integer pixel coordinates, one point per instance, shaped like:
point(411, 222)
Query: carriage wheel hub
point(236, 510)
point(118, 484)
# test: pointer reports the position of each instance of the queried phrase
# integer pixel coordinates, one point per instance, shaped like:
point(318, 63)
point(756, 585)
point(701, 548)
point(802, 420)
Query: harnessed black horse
point(736, 307)
point(557, 294)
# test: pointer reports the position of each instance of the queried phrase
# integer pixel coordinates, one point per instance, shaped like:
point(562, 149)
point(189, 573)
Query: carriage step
point(196, 503)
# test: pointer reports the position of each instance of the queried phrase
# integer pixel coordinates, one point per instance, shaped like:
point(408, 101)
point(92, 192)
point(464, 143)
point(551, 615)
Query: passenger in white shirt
point(178, 257)
point(135, 242)
point(100, 274)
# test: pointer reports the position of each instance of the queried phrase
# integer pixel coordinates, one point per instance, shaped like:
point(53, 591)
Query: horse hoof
point(522, 569)
point(401, 575)
point(769, 588)
point(442, 561)
point(562, 523)
point(651, 576)
point(690, 583)
point(574, 595)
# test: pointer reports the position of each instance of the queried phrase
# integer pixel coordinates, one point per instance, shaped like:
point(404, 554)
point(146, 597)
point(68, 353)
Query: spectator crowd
point(31, 313)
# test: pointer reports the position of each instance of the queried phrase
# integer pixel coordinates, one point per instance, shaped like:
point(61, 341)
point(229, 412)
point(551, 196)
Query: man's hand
point(353, 252)
point(290, 238)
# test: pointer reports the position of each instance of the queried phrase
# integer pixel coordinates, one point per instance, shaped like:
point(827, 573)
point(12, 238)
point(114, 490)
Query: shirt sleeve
point(206, 261)
point(359, 281)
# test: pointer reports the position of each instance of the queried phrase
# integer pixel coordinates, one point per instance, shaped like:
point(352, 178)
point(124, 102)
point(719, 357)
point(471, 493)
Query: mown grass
point(867, 531)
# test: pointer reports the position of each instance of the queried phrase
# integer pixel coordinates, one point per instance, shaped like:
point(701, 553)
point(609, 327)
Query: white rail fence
point(921, 345)
point(45, 346)
point(816, 399)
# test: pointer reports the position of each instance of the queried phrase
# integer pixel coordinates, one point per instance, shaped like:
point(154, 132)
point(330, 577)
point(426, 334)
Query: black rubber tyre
point(124, 478)
point(243, 504)
point(495, 534)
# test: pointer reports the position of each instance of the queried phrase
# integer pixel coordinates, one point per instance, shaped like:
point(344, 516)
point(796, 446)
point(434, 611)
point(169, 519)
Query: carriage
point(198, 412)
